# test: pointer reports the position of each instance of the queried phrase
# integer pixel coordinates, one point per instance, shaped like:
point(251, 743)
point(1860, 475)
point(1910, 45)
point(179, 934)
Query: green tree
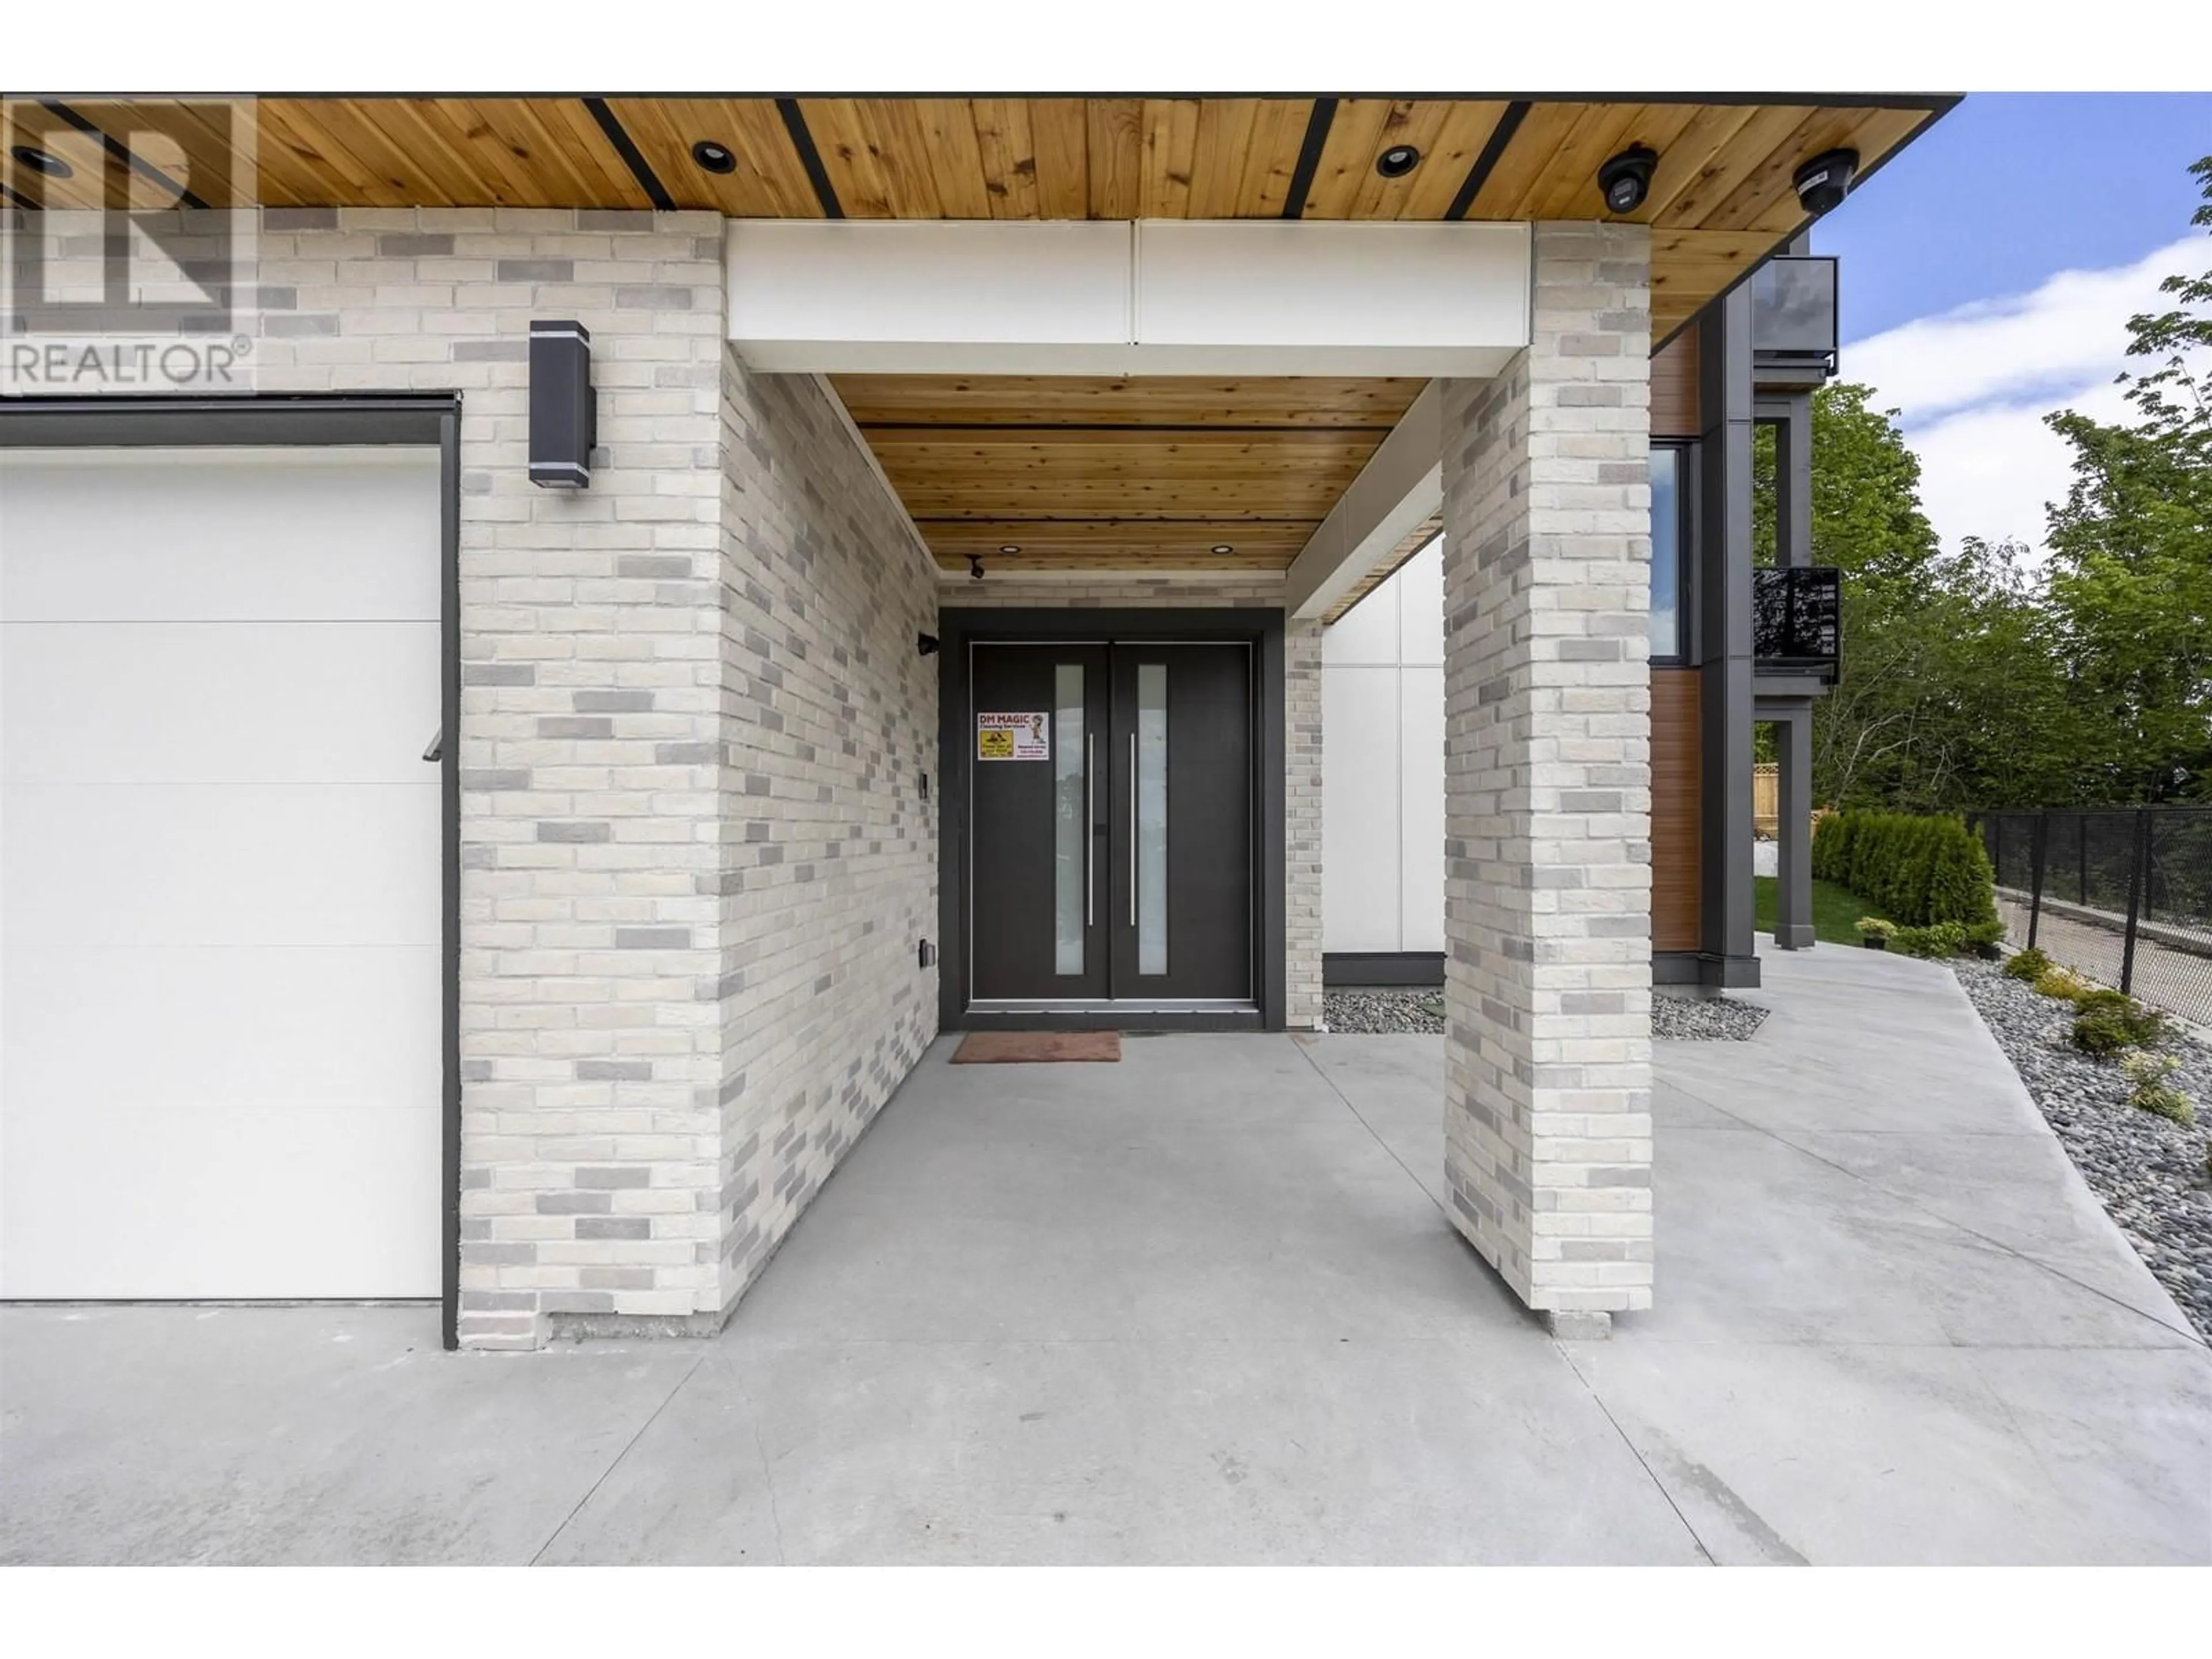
point(2131, 552)
point(1975, 678)
point(1872, 733)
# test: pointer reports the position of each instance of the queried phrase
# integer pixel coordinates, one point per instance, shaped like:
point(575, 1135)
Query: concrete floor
point(1203, 1306)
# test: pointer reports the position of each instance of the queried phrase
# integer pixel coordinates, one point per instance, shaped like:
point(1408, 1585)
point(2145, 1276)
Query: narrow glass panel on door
point(1038, 767)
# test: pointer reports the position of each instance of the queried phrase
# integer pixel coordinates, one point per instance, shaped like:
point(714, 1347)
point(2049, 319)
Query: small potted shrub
point(1984, 939)
point(1875, 932)
point(1938, 938)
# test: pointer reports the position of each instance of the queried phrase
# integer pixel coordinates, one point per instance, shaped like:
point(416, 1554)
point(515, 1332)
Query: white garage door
point(219, 873)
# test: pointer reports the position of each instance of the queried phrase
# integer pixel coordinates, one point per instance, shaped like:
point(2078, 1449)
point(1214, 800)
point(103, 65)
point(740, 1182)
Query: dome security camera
point(1823, 182)
point(1625, 180)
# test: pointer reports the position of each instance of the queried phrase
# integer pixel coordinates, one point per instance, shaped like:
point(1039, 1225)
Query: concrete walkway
point(1203, 1306)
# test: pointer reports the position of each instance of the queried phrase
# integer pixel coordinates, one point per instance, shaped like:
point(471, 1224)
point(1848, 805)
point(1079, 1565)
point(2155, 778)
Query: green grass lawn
point(1836, 910)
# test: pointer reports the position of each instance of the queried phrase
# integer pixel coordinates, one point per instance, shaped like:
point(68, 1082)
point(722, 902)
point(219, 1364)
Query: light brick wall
point(592, 1142)
point(1302, 868)
point(695, 864)
point(829, 867)
point(1547, 789)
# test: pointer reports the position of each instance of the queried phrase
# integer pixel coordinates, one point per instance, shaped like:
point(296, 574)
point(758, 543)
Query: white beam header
point(1402, 485)
point(1154, 296)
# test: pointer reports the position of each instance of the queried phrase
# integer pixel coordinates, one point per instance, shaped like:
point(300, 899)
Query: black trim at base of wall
point(1714, 973)
point(1380, 967)
point(1135, 1025)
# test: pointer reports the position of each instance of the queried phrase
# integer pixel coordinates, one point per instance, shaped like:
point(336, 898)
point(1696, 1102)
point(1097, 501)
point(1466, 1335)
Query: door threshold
point(1140, 1014)
point(1114, 1005)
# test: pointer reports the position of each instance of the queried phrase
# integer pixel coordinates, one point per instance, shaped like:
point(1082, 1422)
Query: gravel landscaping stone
point(1372, 1011)
point(1421, 1008)
point(1705, 1019)
point(2147, 1171)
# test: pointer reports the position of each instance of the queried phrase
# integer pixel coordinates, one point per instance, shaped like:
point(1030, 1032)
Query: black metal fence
point(2122, 895)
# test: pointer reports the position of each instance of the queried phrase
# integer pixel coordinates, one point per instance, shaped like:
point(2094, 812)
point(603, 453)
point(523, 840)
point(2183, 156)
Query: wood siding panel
point(1677, 822)
point(1674, 388)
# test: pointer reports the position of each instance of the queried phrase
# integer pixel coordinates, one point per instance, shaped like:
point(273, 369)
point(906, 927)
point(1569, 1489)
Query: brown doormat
point(1023, 1047)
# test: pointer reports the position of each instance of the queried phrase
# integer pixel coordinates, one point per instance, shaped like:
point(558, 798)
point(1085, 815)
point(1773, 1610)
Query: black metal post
point(2135, 898)
point(2038, 843)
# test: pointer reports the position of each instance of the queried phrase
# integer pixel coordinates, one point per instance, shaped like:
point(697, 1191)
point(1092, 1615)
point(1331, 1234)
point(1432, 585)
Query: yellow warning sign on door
point(1012, 737)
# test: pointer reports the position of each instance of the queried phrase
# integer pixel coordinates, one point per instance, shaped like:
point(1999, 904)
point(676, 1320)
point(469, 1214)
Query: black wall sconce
point(926, 644)
point(563, 413)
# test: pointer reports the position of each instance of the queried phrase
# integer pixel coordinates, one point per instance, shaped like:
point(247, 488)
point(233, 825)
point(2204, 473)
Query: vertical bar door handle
point(436, 751)
point(1090, 818)
point(1133, 828)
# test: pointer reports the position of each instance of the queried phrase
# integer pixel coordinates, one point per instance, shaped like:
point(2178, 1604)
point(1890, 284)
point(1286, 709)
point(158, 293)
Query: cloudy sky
point(1988, 274)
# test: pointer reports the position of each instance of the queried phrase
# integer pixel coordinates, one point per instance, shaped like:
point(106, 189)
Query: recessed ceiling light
point(45, 161)
point(1222, 547)
point(1009, 547)
point(715, 158)
point(1397, 161)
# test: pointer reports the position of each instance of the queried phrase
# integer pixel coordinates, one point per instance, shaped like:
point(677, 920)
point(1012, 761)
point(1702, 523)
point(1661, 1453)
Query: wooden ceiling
point(1721, 197)
point(1144, 473)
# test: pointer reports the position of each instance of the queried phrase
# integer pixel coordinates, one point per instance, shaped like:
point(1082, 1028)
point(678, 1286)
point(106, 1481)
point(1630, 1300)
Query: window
point(1669, 636)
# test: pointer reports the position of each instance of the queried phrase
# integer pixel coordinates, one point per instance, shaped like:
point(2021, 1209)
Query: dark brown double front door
point(1112, 793)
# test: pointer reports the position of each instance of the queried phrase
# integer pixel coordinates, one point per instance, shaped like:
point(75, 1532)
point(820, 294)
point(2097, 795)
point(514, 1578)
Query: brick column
point(1548, 802)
